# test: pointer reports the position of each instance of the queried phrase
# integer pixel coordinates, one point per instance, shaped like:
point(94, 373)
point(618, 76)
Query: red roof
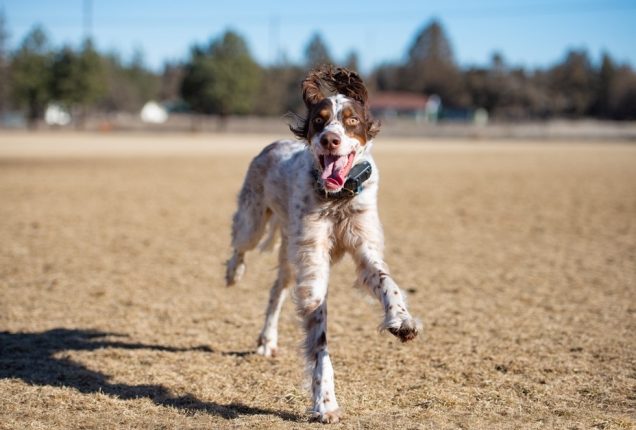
point(397, 100)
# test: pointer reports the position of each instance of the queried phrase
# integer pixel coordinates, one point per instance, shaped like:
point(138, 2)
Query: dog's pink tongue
point(333, 174)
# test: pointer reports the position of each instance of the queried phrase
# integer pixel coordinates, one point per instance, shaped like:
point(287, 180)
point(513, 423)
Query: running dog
point(320, 193)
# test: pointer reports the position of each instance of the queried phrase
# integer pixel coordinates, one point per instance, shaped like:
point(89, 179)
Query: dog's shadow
point(35, 359)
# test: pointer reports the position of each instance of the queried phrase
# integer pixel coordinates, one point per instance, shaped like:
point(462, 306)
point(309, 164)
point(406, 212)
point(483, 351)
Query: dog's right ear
point(312, 94)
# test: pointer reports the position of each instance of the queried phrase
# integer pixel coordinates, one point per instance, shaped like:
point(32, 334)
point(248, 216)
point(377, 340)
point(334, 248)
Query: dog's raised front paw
point(405, 330)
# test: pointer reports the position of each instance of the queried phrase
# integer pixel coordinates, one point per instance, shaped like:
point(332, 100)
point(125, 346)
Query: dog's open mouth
point(335, 169)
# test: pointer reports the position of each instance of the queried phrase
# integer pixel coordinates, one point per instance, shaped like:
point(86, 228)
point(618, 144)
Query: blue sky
point(530, 33)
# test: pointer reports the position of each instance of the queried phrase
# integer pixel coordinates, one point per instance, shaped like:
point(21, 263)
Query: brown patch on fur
point(310, 323)
point(336, 253)
point(309, 243)
point(303, 293)
point(321, 110)
point(353, 116)
point(306, 309)
point(325, 113)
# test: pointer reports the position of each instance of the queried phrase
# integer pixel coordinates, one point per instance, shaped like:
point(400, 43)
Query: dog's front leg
point(374, 274)
point(311, 255)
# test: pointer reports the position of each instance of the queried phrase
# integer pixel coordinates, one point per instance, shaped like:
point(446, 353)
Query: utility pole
point(274, 48)
point(4, 63)
point(88, 19)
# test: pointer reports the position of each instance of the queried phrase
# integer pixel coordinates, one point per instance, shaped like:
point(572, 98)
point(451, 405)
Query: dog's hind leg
point(268, 339)
point(246, 234)
point(248, 223)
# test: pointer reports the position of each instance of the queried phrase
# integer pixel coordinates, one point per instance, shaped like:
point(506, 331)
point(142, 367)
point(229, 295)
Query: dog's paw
point(330, 417)
point(235, 270)
point(405, 330)
point(266, 347)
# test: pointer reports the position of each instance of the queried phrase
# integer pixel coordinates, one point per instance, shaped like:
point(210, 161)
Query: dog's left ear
point(348, 83)
point(312, 94)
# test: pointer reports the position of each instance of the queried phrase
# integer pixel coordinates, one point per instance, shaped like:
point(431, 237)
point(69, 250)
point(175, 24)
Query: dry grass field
point(519, 257)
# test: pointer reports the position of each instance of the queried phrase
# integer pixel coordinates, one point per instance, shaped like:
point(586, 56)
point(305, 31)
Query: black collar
point(352, 186)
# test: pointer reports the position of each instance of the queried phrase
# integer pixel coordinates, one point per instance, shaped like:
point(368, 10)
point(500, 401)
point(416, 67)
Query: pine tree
point(606, 78)
point(223, 78)
point(431, 45)
point(78, 79)
point(430, 67)
point(316, 52)
point(31, 75)
point(572, 83)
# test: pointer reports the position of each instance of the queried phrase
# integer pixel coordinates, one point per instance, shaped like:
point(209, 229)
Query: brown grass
point(520, 259)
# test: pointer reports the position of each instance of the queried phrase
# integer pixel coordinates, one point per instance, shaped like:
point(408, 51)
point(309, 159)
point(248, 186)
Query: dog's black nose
point(330, 140)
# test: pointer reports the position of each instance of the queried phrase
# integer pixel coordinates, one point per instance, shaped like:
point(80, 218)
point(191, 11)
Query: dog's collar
point(352, 186)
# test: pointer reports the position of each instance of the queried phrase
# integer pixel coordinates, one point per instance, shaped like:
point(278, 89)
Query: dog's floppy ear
point(312, 94)
point(348, 83)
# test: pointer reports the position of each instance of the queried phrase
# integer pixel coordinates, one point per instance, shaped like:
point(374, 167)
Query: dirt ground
point(519, 258)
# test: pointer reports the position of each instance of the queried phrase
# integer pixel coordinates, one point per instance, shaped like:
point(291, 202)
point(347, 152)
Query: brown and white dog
point(303, 189)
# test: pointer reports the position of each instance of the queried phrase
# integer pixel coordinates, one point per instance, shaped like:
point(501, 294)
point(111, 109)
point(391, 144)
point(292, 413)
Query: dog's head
point(338, 128)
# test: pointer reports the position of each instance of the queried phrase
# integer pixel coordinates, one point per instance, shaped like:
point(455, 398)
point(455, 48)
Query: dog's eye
point(352, 121)
point(318, 120)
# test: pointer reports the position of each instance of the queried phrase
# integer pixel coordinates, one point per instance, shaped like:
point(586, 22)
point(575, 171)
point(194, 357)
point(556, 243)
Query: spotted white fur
point(315, 233)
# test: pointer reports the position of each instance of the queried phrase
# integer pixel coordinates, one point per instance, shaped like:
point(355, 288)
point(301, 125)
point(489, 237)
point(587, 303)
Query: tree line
point(221, 77)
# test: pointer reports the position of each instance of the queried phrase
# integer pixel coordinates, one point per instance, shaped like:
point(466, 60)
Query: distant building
point(391, 104)
point(153, 113)
point(56, 114)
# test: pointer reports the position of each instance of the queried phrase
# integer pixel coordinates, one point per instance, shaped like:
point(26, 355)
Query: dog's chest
point(339, 211)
